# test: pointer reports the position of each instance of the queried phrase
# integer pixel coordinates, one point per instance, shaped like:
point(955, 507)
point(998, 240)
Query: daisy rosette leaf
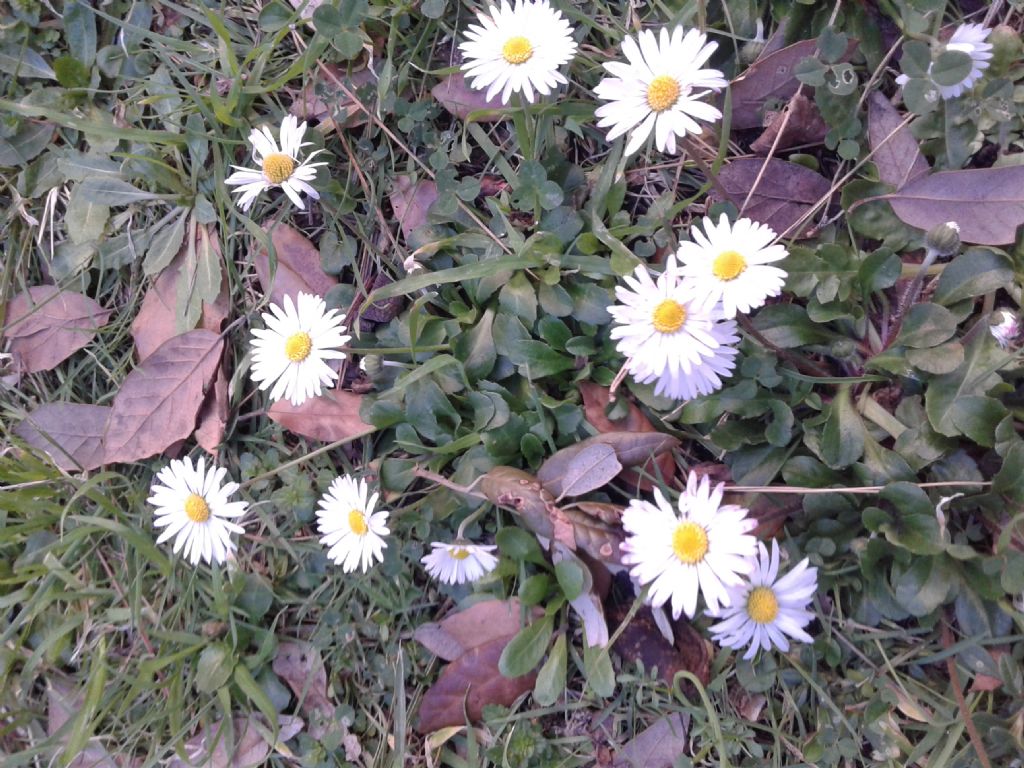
point(660, 89)
point(518, 49)
point(290, 354)
point(672, 337)
point(352, 531)
point(192, 507)
point(704, 549)
point(767, 609)
point(278, 166)
point(460, 562)
point(731, 263)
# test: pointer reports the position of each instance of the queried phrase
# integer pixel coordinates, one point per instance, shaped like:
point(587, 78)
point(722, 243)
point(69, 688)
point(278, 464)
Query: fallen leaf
point(210, 748)
point(804, 125)
point(382, 310)
point(159, 400)
point(898, 160)
point(594, 535)
point(302, 668)
point(482, 622)
point(631, 449)
point(298, 266)
point(69, 433)
point(410, 201)
point(322, 98)
point(588, 470)
point(523, 494)
point(332, 416)
point(748, 705)
point(46, 325)
point(213, 414)
point(455, 95)
point(770, 77)
point(784, 194)
point(658, 745)
point(64, 700)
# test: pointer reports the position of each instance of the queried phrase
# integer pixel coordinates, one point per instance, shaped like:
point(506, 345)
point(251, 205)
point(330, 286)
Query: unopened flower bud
point(944, 239)
point(1006, 48)
point(371, 365)
point(411, 265)
point(752, 48)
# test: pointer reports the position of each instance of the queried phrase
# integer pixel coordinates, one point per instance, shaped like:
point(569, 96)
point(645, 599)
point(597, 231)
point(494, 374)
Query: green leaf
point(524, 651)
point(938, 360)
point(247, 684)
point(908, 521)
point(1009, 480)
point(551, 678)
point(977, 417)
point(31, 139)
point(570, 578)
point(975, 272)
point(537, 360)
point(598, 670)
point(165, 244)
point(80, 32)
point(518, 297)
point(78, 166)
point(216, 664)
point(111, 191)
point(24, 62)
point(516, 544)
point(475, 347)
point(951, 67)
point(472, 271)
point(787, 326)
point(975, 377)
point(85, 218)
point(200, 280)
point(842, 440)
point(71, 73)
point(926, 325)
point(923, 586)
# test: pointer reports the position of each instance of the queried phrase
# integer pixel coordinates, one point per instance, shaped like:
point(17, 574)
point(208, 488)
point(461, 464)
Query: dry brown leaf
point(455, 95)
point(322, 99)
point(46, 325)
point(482, 622)
point(331, 417)
point(631, 449)
point(898, 160)
point(158, 401)
point(302, 668)
point(213, 415)
point(298, 266)
point(410, 201)
point(210, 748)
point(69, 433)
point(784, 194)
point(804, 125)
point(642, 641)
point(63, 701)
point(657, 746)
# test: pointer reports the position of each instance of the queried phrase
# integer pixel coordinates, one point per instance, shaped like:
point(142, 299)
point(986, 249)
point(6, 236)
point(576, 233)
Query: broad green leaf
point(975, 272)
point(923, 586)
point(537, 359)
point(165, 244)
point(112, 191)
point(80, 31)
point(24, 62)
point(524, 651)
point(908, 521)
point(571, 578)
point(216, 664)
point(975, 377)
point(551, 678)
point(31, 139)
point(598, 670)
point(85, 218)
point(475, 347)
point(926, 325)
point(787, 326)
point(951, 67)
point(454, 275)
point(200, 279)
point(518, 297)
point(842, 440)
point(78, 166)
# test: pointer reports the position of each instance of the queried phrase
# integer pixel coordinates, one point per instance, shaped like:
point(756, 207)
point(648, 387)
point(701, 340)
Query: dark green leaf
point(842, 441)
point(524, 651)
point(551, 678)
point(926, 325)
point(975, 272)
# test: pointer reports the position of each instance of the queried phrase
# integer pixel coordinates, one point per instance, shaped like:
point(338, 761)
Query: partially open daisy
point(672, 337)
point(705, 548)
point(278, 167)
point(290, 353)
point(352, 530)
point(192, 507)
point(517, 49)
point(766, 609)
point(729, 262)
point(459, 562)
point(659, 89)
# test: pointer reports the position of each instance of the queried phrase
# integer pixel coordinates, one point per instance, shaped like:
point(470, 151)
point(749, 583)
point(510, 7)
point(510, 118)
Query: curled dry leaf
point(45, 326)
point(460, 100)
point(69, 433)
point(322, 99)
point(213, 415)
point(658, 745)
point(482, 622)
point(898, 159)
point(523, 494)
point(302, 668)
point(410, 201)
point(800, 122)
point(298, 266)
point(332, 416)
point(785, 193)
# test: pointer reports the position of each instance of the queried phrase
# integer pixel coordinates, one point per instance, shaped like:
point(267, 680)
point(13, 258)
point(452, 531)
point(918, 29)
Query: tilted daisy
point(729, 262)
point(517, 49)
point(672, 337)
point(704, 549)
point(660, 89)
point(294, 346)
point(765, 609)
point(352, 530)
point(278, 167)
point(192, 507)
point(459, 562)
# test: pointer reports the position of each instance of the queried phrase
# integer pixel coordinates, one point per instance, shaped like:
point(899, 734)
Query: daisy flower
point(352, 530)
point(459, 562)
point(277, 167)
point(968, 39)
point(294, 346)
point(192, 507)
point(705, 548)
point(1005, 327)
point(729, 262)
point(659, 89)
point(764, 610)
point(517, 49)
point(672, 337)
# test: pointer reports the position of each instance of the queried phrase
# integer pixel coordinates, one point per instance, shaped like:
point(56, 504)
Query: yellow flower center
point(669, 316)
point(517, 50)
point(762, 605)
point(690, 543)
point(357, 522)
point(458, 553)
point(297, 346)
point(196, 508)
point(277, 167)
point(728, 265)
point(662, 93)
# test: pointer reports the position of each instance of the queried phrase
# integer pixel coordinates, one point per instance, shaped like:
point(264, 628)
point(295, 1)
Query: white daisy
point(459, 562)
point(672, 337)
point(352, 530)
point(764, 610)
point(517, 49)
point(659, 89)
point(729, 262)
point(1005, 327)
point(192, 506)
point(294, 346)
point(705, 548)
point(968, 39)
point(278, 167)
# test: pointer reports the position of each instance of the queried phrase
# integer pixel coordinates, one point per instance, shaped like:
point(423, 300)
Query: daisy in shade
point(459, 562)
point(730, 262)
point(672, 337)
point(660, 89)
point(517, 49)
point(969, 40)
point(192, 507)
point(704, 549)
point(352, 530)
point(290, 353)
point(766, 609)
point(277, 167)
point(1005, 327)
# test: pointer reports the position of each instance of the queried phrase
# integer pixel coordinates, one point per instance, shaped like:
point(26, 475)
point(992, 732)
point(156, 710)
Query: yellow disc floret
point(690, 542)
point(517, 50)
point(728, 265)
point(357, 522)
point(278, 167)
point(669, 316)
point(762, 605)
point(196, 508)
point(662, 93)
point(297, 346)
point(458, 553)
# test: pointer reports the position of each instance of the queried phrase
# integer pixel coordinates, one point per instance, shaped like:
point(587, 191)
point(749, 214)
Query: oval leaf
point(332, 416)
point(897, 155)
point(588, 470)
point(45, 326)
point(784, 194)
point(298, 266)
point(69, 433)
point(524, 651)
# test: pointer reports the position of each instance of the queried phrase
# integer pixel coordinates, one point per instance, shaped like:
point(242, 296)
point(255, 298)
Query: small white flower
point(659, 89)
point(518, 49)
point(277, 167)
point(352, 530)
point(704, 549)
point(763, 611)
point(730, 263)
point(192, 506)
point(294, 346)
point(968, 39)
point(1005, 327)
point(459, 562)
point(672, 337)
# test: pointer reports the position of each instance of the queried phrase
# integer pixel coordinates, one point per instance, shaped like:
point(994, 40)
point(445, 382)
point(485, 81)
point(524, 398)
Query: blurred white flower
point(459, 562)
point(352, 530)
point(968, 39)
point(1005, 327)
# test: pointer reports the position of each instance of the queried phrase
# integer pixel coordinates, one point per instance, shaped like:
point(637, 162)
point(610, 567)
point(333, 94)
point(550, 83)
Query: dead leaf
point(748, 705)
point(410, 201)
point(63, 701)
point(302, 668)
point(593, 535)
point(382, 310)
point(588, 470)
point(298, 266)
point(523, 494)
point(658, 745)
point(159, 400)
point(642, 641)
point(898, 160)
point(784, 194)
point(631, 449)
point(69, 433)
point(455, 95)
point(211, 747)
point(213, 415)
point(482, 622)
point(46, 325)
point(332, 416)
point(804, 125)
point(322, 98)
point(471, 681)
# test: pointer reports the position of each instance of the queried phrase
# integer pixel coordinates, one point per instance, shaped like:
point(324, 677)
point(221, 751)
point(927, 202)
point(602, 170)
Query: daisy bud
point(1006, 48)
point(944, 239)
